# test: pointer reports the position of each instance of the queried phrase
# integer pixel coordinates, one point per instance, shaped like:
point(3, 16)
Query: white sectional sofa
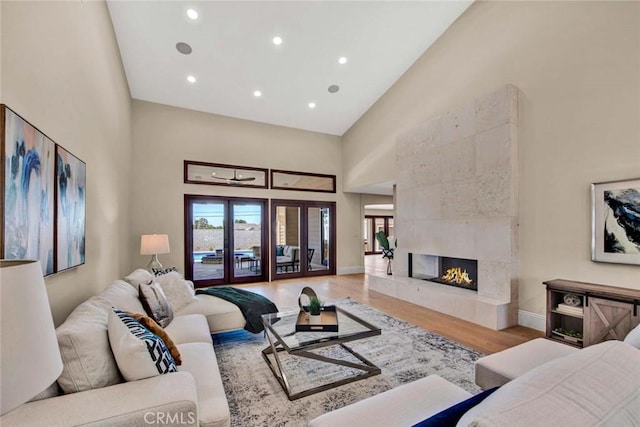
point(192, 396)
point(598, 385)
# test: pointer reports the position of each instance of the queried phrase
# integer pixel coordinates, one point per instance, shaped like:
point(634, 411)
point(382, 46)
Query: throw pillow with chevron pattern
point(138, 352)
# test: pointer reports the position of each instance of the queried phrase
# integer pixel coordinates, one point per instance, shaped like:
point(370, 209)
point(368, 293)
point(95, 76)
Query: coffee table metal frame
point(278, 344)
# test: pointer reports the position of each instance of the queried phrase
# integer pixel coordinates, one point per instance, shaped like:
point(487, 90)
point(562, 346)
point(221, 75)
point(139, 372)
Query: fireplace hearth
point(450, 271)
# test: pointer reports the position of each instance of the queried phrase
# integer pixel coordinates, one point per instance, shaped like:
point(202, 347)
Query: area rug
point(404, 352)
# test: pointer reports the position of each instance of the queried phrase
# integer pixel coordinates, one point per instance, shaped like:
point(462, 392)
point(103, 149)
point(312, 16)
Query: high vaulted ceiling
point(233, 55)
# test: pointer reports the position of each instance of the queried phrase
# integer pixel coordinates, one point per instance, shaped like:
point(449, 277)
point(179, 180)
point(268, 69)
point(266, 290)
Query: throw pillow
point(161, 271)
point(450, 416)
point(153, 327)
point(87, 359)
point(138, 277)
point(176, 289)
point(279, 250)
point(138, 352)
point(155, 303)
point(633, 337)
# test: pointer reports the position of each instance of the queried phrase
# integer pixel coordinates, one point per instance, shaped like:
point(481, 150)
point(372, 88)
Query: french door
point(225, 240)
point(303, 238)
point(372, 225)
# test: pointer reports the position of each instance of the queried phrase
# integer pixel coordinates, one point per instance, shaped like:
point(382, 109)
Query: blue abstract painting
point(71, 181)
point(28, 157)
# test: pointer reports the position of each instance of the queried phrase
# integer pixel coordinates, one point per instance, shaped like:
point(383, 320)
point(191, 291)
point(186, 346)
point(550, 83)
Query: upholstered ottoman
point(499, 368)
point(417, 400)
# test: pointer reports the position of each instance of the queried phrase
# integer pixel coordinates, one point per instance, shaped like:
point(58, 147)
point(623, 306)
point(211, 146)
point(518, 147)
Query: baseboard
point(532, 320)
point(350, 270)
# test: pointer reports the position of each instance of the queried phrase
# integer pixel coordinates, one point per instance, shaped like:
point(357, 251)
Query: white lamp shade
point(30, 357)
point(152, 244)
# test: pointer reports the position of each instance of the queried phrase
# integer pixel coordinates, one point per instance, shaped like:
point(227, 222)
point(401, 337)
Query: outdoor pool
point(197, 256)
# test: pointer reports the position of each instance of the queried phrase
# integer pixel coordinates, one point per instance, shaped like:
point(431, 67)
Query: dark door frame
point(303, 205)
point(229, 259)
point(372, 231)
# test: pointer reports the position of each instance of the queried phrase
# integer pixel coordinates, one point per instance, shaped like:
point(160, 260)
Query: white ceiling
point(233, 55)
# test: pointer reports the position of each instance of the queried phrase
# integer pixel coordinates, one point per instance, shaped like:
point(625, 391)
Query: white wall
point(166, 136)
point(577, 66)
point(61, 71)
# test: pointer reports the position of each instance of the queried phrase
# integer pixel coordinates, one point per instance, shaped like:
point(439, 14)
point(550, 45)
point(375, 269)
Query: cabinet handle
point(635, 307)
point(586, 299)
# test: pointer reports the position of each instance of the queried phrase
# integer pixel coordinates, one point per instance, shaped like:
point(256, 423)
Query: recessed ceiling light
point(191, 79)
point(342, 60)
point(312, 105)
point(277, 40)
point(192, 13)
point(257, 93)
point(333, 88)
point(184, 48)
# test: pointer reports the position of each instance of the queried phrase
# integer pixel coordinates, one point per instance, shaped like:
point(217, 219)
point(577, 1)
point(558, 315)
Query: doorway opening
point(372, 225)
point(303, 241)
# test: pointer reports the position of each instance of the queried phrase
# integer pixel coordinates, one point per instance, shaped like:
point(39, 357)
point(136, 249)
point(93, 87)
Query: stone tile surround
point(457, 196)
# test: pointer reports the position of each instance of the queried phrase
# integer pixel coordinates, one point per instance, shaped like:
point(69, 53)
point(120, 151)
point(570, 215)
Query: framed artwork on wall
point(615, 222)
point(27, 183)
point(71, 182)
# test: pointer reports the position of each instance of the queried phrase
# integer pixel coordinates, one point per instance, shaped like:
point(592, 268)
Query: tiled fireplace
point(456, 197)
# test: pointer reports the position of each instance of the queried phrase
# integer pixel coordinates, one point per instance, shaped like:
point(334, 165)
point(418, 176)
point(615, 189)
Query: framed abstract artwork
point(615, 222)
point(27, 183)
point(71, 182)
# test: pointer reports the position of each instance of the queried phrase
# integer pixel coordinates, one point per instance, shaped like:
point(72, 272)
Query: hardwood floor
point(285, 293)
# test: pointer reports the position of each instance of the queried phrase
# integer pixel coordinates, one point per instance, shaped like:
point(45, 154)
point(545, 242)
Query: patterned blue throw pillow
point(160, 271)
point(139, 353)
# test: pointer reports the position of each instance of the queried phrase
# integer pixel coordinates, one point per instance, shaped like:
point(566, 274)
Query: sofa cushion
point(189, 328)
point(449, 417)
point(176, 289)
point(401, 406)
point(139, 277)
point(597, 385)
point(155, 304)
point(499, 368)
point(200, 361)
point(138, 352)
point(156, 329)
point(633, 337)
point(221, 315)
point(121, 295)
point(87, 360)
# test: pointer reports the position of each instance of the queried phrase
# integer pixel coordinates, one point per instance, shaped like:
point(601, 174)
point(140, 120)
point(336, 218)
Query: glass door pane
point(247, 239)
point(287, 242)
point(225, 240)
point(378, 226)
point(317, 239)
point(368, 237)
point(390, 231)
point(208, 223)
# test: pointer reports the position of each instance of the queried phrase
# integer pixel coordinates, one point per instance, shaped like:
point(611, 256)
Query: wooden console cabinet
point(604, 312)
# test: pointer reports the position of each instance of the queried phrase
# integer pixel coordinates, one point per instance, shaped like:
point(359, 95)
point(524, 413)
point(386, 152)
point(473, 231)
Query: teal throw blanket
point(250, 304)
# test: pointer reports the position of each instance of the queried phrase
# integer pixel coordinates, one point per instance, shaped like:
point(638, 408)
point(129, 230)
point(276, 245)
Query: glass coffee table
point(280, 329)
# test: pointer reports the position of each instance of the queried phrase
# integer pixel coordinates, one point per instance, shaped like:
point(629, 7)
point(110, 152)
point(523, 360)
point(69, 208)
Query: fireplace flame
point(458, 276)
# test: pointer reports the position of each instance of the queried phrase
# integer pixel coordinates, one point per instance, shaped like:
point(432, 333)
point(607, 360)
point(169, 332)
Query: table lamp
point(29, 353)
point(154, 244)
